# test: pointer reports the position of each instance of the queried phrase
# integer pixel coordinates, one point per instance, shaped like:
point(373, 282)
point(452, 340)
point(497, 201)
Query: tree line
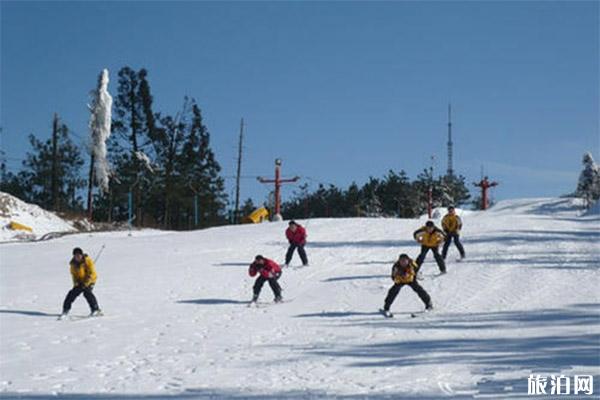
point(164, 171)
point(394, 195)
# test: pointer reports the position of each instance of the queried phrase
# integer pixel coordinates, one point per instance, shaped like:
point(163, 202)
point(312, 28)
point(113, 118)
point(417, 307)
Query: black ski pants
point(87, 293)
point(414, 285)
point(436, 253)
point(301, 252)
point(459, 246)
point(260, 281)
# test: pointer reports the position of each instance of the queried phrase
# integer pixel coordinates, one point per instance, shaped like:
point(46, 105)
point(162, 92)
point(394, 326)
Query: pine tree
point(52, 172)
point(167, 141)
point(198, 172)
point(588, 186)
point(12, 183)
point(132, 127)
point(247, 208)
point(454, 190)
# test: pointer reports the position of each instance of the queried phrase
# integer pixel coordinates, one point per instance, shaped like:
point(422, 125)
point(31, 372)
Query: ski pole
point(99, 253)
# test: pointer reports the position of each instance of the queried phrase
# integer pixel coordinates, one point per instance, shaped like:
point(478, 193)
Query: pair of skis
point(63, 317)
point(261, 304)
point(388, 314)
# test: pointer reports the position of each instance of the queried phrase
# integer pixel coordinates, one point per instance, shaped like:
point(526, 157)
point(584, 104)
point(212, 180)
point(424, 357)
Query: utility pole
point(196, 214)
point(278, 181)
point(450, 171)
point(54, 178)
point(430, 190)
point(236, 217)
point(90, 187)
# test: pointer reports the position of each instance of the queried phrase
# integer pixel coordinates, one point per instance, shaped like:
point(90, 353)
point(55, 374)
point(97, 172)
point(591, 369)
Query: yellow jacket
point(404, 275)
point(83, 273)
point(427, 239)
point(451, 223)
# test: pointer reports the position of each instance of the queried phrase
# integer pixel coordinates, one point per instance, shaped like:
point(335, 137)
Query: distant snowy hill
point(39, 220)
point(524, 301)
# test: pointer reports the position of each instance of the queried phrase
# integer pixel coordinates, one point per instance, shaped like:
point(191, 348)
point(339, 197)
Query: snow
point(40, 220)
point(143, 157)
point(594, 209)
point(525, 301)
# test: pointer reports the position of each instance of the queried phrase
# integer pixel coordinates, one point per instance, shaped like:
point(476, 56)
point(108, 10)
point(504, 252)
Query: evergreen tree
point(247, 208)
point(132, 127)
point(588, 186)
point(198, 171)
point(167, 141)
point(12, 183)
point(454, 190)
point(52, 172)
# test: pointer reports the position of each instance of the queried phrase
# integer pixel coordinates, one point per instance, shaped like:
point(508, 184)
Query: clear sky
point(339, 90)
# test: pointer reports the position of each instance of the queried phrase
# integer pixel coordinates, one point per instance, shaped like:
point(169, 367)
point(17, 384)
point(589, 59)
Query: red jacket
point(297, 237)
point(268, 270)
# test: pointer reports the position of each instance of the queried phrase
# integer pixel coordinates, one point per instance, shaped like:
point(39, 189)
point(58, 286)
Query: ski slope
point(525, 301)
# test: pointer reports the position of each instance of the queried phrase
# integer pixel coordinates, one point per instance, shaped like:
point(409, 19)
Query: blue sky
point(339, 90)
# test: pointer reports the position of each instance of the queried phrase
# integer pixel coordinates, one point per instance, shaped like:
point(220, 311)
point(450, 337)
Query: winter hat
point(77, 250)
point(258, 258)
point(404, 255)
point(429, 223)
point(292, 222)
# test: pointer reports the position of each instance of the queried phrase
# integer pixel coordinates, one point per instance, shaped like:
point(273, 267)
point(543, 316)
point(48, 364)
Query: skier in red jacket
point(268, 271)
point(296, 236)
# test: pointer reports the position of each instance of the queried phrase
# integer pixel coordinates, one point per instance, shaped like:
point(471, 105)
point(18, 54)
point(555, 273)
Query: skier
point(452, 224)
point(430, 237)
point(404, 273)
point(296, 236)
point(267, 270)
point(84, 278)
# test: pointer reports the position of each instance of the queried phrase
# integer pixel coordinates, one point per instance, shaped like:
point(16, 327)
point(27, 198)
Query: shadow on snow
point(212, 301)
point(29, 313)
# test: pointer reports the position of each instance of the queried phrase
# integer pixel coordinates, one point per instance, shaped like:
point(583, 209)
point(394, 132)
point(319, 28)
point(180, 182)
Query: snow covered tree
point(588, 186)
point(454, 190)
point(100, 123)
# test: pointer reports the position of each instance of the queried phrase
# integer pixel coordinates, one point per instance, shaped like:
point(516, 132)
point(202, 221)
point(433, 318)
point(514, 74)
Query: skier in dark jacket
point(268, 271)
point(404, 273)
point(296, 236)
point(84, 278)
point(430, 237)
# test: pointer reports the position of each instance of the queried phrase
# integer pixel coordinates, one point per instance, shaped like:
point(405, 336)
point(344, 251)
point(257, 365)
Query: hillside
point(39, 220)
point(525, 301)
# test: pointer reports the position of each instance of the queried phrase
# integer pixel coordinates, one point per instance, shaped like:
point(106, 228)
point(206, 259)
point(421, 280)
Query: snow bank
point(594, 210)
point(39, 220)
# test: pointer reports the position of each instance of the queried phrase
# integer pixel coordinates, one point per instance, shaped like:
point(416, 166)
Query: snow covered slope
point(525, 301)
point(38, 219)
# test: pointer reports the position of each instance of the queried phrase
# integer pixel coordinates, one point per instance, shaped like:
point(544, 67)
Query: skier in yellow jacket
point(404, 273)
point(430, 237)
point(84, 277)
point(452, 224)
